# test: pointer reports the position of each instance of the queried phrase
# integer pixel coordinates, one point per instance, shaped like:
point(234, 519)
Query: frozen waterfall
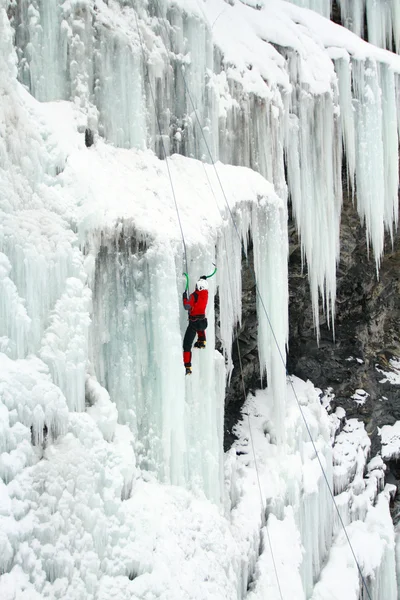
point(106, 448)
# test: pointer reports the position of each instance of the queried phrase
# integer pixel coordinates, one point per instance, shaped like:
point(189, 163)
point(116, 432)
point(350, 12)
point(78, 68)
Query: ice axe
point(206, 276)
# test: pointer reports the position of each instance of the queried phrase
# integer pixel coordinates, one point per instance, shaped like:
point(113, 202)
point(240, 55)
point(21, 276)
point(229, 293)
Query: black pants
point(193, 328)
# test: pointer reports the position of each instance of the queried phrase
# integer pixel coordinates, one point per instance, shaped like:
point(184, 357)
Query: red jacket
point(197, 303)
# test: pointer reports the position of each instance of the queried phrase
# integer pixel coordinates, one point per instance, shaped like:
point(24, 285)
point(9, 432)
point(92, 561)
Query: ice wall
point(382, 18)
point(260, 108)
point(136, 340)
point(136, 73)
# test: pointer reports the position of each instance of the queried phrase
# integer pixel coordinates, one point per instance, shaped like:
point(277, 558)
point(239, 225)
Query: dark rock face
point(366, 328)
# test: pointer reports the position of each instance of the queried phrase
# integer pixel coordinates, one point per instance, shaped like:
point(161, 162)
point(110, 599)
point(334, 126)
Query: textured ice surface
point(94, 406)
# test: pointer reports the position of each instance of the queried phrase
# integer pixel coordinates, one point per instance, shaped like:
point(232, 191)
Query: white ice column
point(44, 68)
point(205, 388)
point(136, 350)
point(269, 231)
point(119, 90)
point(390, 141)
point(380, 22)
point(138, 328)
point(352, 12)
point(229, 280)
point(343, 70)
point(315, 520)
point(314, 175)
point(370, 160)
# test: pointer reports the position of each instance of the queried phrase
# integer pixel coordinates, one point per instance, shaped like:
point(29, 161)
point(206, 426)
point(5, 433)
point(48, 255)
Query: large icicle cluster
point(90, 279)
point(204, 89)
point(381, 17)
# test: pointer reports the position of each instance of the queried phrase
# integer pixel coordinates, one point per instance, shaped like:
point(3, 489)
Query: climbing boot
point(200, 344)
point(188, 370)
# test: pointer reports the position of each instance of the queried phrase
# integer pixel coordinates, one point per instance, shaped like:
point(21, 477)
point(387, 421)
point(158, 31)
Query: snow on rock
point(360, 396)
point(392, 376)
point(390, 438)
point(350, 454)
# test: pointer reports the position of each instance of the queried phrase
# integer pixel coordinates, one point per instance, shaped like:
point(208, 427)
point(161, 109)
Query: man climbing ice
point(196, 304)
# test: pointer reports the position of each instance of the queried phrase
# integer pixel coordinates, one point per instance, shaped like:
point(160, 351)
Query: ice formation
point(381, 17)
point(94, 407)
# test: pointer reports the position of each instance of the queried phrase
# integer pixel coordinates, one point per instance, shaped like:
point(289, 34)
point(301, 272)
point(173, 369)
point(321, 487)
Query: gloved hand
point(203, 277)
point(184, 295)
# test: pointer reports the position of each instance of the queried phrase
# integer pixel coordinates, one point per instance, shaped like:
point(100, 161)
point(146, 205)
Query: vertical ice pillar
point(314, 175)
point(204, 389)
point(178, 64)
point(380, 15)
point(119, 91)
point(138, 327)
point(136, 348)
point(390, 140)
point(14, 321)
point(269, 230)
point(370, 154)
point(369, 115)
point(41, 38)
point(229, 279)
point(352, 12)
point(343, 70)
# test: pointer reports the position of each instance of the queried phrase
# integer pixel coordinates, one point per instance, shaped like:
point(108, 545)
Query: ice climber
point(196, 304)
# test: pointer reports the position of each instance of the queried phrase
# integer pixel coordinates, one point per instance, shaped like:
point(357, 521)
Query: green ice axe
point(206, 276)
point(187, 281)
point(213, 273)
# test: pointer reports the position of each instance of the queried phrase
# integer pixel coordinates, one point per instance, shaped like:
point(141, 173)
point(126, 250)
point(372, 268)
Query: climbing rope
point(274, 337)
point(162, 141)
point(287, 374)
point(238, 347)
point(284, 363)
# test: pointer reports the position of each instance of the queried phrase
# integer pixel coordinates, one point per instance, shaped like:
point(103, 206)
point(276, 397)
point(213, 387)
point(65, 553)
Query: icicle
point(343, 70)
point(269, 223)
point(370, 173)
point(352, 12)
point(314, 175)
point(383, 20)
point(390, 140)
point(229, 280)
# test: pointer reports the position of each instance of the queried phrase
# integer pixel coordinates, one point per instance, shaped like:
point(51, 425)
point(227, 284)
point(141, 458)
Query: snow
point(392, 376)
point(360, 396)
point(390, 436)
